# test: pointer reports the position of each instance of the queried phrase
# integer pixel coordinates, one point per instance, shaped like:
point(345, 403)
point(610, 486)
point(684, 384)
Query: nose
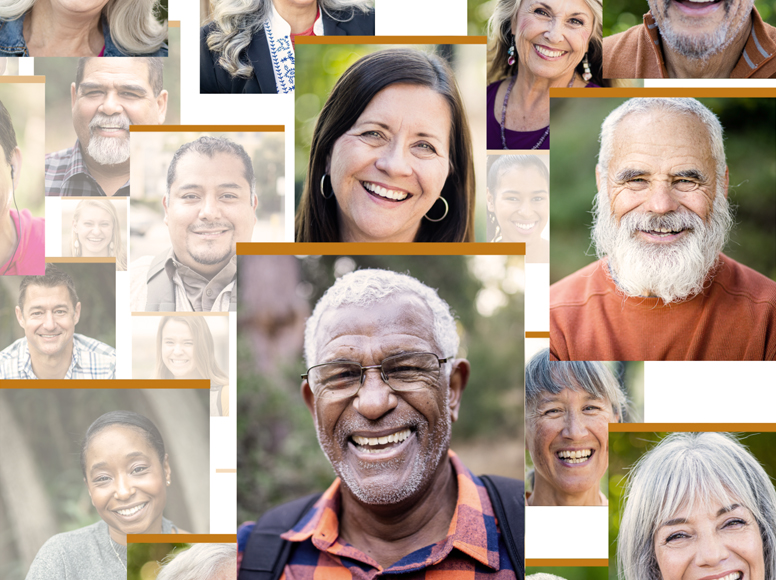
point(111, 104)
point(554, 33)
point(574, 427)
point(210, 209)
point(524, 208)
point(393, 160)
point(48, 321)
point(177, 348)
point(711, 550)
point(375, 398)
point(123, 488)
point(661, 199)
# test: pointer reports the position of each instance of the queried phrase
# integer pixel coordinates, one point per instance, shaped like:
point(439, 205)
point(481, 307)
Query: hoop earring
point(587, 75)
point(323, 188)
point(447, 208)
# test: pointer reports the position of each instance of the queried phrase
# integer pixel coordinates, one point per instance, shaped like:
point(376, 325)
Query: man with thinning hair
point(662, 289)
point(384, 387)
point(210, 205)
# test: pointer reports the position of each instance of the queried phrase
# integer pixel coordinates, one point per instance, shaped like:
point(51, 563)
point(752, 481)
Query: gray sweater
point(85, 554)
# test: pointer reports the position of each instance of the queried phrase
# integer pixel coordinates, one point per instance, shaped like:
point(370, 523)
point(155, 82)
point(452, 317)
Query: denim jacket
point(12, 41)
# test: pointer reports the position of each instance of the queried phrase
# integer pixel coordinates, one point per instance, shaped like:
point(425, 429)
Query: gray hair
point(649, 104)
point(594, 378)
point(366, 287)
point(684, 471)
point(201, 562)
point(237, 21)
point(133, 24)
point(211, 146)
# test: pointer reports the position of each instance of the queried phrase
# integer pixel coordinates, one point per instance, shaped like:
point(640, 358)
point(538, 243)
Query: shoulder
point(138, 283)
point(623, 39)
point(12, 351)
point(744, 282)
point(351, 22)
point(11, 38)
point(94, 346)
point(55, 159)
point(577, 288)
point(60, 552)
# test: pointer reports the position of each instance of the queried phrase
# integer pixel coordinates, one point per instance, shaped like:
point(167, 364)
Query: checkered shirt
point(472, 550)
point(92, 359)
point(67, 175)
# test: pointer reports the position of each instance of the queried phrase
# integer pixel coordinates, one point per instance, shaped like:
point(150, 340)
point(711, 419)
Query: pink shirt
point(30, 256)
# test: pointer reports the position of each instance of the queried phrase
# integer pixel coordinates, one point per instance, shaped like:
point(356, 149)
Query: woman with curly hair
point(248, 46)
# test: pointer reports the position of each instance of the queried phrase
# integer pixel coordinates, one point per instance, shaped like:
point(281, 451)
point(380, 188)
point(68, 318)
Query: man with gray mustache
point(108, 95)
point(662, 289)
point(210, 205)
point(694, 39)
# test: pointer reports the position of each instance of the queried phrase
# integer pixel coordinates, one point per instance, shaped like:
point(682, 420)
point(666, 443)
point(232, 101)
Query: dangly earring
point(587, 75)
point(111, 246)
point(76, 243)
point(511, 55)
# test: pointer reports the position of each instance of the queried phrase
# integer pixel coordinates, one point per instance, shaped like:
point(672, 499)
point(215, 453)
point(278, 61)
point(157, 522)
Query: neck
point(545, 495)
point(86, 254)
point(52, 31)
point(8, 238)
point(387, 533)
point(110, 177)
point(52, 366)
point(300, 18)
point(719, 65)
point(117, 537)
point(203, 270)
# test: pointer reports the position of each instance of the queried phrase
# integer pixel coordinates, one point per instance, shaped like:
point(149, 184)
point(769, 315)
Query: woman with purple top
point(536, 45)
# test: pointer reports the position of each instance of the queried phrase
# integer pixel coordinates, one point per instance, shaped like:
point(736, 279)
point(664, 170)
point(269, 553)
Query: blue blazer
point(213, 78)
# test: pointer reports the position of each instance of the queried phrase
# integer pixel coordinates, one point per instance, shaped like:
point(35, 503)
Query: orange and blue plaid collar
point(473, 529)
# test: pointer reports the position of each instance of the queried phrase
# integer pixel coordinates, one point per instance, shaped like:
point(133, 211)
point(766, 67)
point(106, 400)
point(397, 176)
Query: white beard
point(108, 150)
point(673, 272)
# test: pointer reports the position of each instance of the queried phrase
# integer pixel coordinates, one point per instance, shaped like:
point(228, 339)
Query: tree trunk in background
point(178, 411)
point(29, 513)
point(271, 314)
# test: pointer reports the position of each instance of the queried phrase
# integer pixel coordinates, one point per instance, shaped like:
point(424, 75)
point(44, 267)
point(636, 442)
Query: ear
point(166, 467)
point(161, 103)
point(490, 202)
point(598, 177)
point(73, 93)
point(309, 399)
point(726, 184)
point(77, 315)
point(20, 317)
point(459, 377)
point(16, 164)
point(164, 205)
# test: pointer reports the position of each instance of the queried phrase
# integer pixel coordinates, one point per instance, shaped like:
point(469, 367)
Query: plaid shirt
point(92, 359)
point(67, 175)
point(472, 550)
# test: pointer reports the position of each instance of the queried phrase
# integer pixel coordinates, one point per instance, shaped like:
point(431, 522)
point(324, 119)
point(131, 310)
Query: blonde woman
point(248, 45)
point(81, 28)
point(97, 233)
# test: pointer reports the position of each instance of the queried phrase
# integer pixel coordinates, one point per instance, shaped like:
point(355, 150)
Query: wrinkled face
point(126, 480)
point(94, 228)
point(700, 29)
point(49, 320)
point(551, 36)
point(569, 441)
point(521, 204)
point(114, 94)
point(390, 167)
point(417, 423)
point(724, 543)
point(662, 213)
point(209, 211)
point(179, 350)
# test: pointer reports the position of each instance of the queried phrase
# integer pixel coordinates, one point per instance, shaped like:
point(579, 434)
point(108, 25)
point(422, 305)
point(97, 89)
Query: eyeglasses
point(412, 371)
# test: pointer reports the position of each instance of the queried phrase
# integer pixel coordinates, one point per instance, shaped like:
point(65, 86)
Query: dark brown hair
point(7, 134)
point(316, 217)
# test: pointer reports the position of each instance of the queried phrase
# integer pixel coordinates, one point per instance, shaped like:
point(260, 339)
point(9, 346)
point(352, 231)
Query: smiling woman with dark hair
point(127, 472)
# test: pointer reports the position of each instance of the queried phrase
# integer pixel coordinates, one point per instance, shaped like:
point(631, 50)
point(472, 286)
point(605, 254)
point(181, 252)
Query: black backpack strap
point(507, 496)
point(266, 553)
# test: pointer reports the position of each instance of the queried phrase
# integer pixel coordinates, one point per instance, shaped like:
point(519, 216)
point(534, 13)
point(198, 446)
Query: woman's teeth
point(383, 192)
point(733, 576)
point(548, 53)
point(575, 456)
point(131, 511)
point(523, 226)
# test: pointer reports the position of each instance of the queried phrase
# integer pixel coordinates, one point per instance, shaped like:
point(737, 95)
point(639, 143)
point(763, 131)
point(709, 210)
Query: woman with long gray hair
point(82, 28)
point(698, 505)
point(248, 45)
point(202, 562)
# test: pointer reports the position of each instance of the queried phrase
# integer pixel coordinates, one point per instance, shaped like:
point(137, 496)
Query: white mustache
point(100, 120)
point(675, 221)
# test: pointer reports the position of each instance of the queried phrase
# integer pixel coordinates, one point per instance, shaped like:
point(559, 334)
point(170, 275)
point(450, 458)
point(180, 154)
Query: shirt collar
point(283, 28)
point(25, 361)
point(472, 529)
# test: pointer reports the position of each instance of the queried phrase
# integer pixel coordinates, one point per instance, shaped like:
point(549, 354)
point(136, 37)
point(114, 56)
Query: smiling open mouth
point(131, 511)
point(663, 232)
point(525, 225)
point(392, 194)
point(378, 444)
point(574, 457)
point(549, 53)
point(733, 576)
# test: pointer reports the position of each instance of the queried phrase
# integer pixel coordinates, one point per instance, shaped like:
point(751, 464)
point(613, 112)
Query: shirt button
point(209, 292)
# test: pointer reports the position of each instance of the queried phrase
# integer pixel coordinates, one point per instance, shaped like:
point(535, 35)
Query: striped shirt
point(68, 176)
point(473, 548)
point(92, 359)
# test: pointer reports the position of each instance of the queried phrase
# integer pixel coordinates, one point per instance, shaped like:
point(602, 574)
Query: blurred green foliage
point(626, 448)
point(571, 573)
point(750, 145)
point(278, 457)
point(478, 13)
point(619, 15)
point(143, 559)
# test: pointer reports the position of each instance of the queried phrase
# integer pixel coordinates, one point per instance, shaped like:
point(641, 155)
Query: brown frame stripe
point(391, 40)
point(225, 128)
point(107, 384)
point(406, 249)
point(691, 427)
point(182, 538)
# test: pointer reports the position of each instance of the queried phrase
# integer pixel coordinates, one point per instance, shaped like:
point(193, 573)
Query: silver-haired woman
point(698, 505)
point(568, 408)
point(248, 45)
point(81, 28)
point(202, 562)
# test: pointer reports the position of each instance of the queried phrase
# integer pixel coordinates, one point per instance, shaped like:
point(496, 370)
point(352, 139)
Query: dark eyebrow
point(220, 186)
point(132, 455)
point(388, 128)
point(86, 86)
